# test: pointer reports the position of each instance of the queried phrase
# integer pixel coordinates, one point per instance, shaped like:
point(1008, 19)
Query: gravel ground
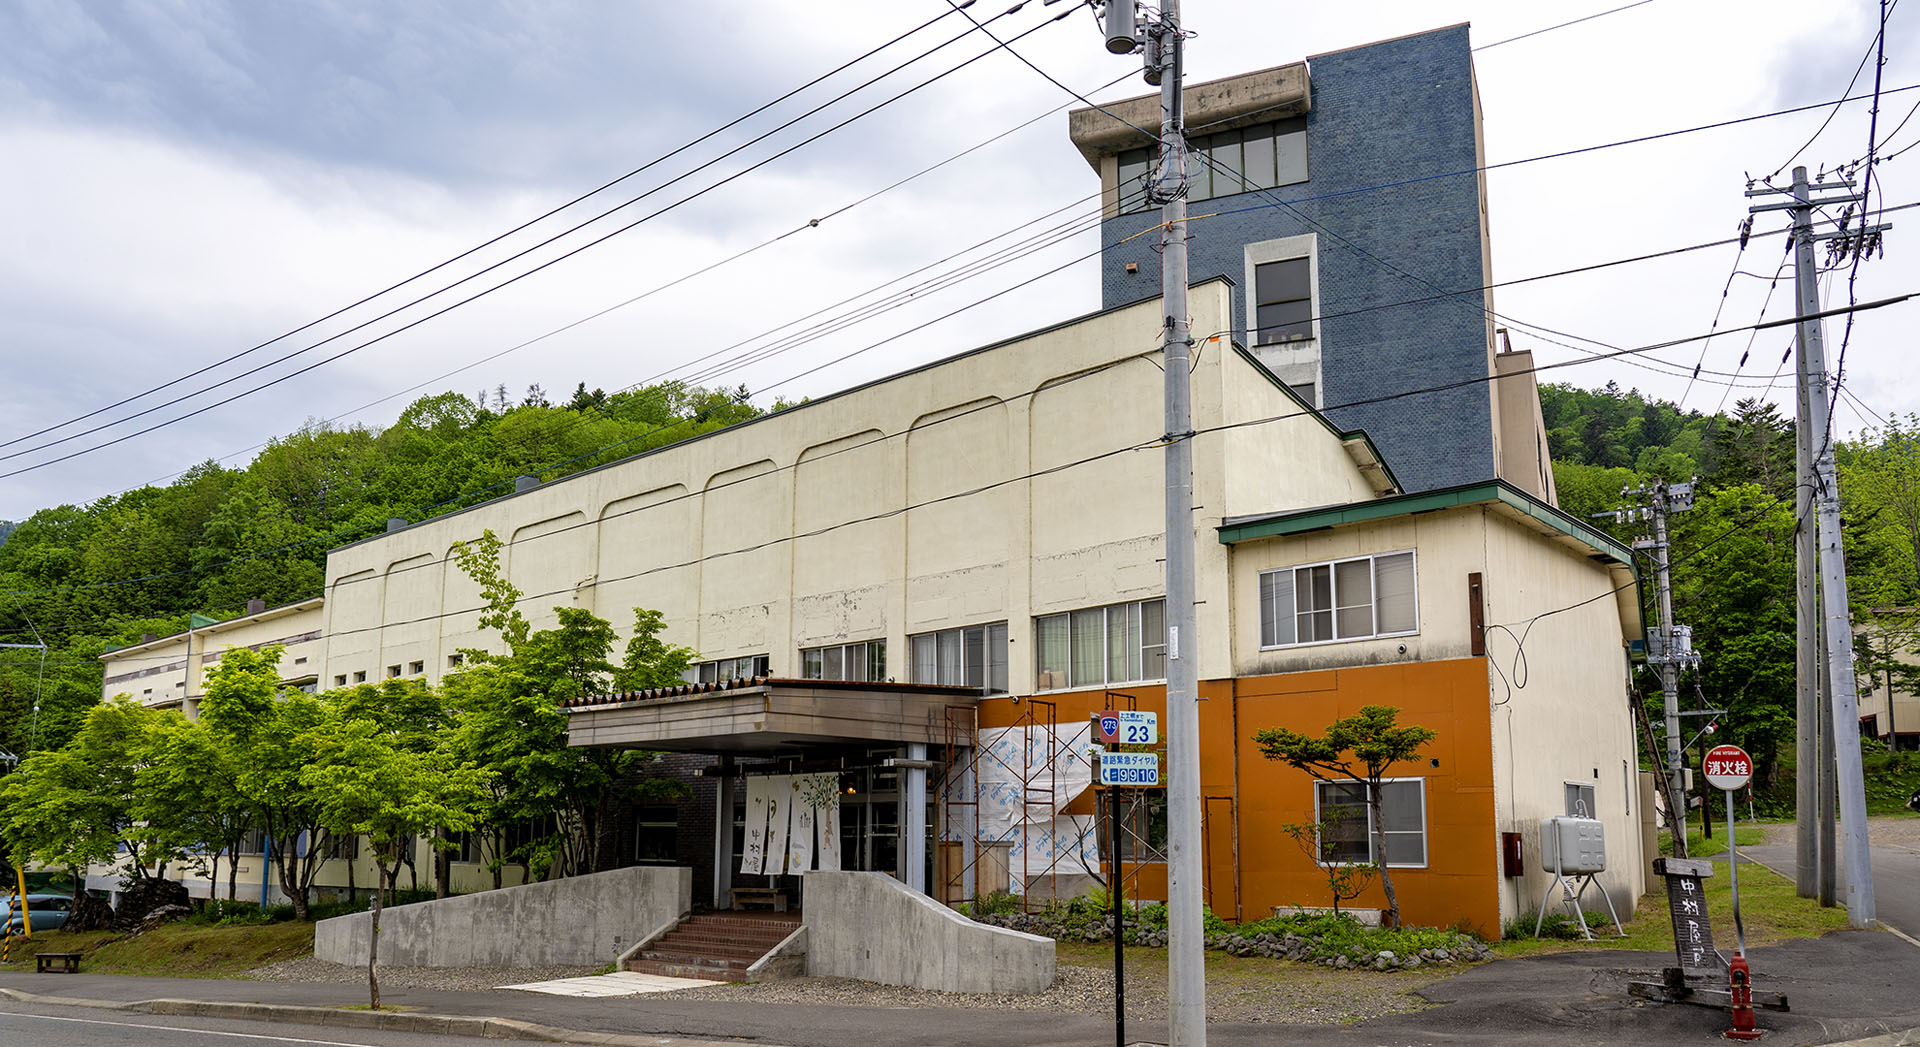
point(1893, 832)
point(1885, 831)
point(308, 969)
point(1286, 992)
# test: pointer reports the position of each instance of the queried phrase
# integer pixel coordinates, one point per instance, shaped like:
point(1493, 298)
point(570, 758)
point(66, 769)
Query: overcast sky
point(184, 181)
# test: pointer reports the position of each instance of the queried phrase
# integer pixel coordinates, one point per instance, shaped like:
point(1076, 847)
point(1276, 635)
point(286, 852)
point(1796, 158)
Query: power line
point(1854, 79)
point(812, 223)
point(1563, 25)
point(489, 243)
point(701, 416)
point(1148, 444)
point(506, 283)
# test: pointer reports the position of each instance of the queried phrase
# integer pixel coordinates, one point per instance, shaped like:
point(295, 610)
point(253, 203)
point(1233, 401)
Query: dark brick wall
point(1381, 114)
point(694, 835)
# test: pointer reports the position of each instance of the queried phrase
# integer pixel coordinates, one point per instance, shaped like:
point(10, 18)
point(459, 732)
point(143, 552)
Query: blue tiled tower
point(1343, 197)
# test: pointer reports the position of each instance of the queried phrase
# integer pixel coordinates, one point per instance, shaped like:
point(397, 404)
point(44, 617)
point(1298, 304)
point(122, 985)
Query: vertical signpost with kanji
point(1122, 770)
point(1729, 768)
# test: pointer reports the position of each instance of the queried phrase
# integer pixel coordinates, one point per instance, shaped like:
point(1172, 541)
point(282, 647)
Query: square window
point(1120, 643)
point(1283, 301)
point(393, 671)
point(416, 668)
point(360, 676)
point(854, 662)
point(974, 656)
point(1403, 820)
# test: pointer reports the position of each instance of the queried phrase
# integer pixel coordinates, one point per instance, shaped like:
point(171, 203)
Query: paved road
point(85, 1027)
point(1896, 869)
point(1844, 986)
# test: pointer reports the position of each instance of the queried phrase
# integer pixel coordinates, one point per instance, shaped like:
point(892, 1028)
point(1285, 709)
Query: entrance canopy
point(764, 714)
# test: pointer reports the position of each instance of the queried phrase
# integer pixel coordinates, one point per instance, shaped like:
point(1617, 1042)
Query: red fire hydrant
point(1742, 979)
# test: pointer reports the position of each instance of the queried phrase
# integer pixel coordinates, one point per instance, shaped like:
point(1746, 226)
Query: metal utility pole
point(1841, 710)
point(1669, 647)
point(1163, 40)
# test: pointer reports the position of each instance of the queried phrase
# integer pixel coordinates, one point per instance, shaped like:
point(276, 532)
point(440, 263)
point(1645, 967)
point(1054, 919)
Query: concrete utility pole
point(1807, 750)
point(1669, 672)
point(1841, 710)
point(1186, 940)
point(1668, 647)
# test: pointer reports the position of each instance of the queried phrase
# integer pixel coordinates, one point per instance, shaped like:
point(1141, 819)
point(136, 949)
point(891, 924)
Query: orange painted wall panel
point(1458, 885)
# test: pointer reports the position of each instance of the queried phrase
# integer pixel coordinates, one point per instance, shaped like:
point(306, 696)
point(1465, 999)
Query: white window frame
point(1426, 852)
point(865, 657)
point(1298, 362)
point(1260, 584)
point(960, 632)
point(710, 671)
point(1105, 655)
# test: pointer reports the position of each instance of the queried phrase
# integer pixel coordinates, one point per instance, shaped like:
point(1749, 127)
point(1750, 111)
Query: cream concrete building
point(1003, 499)
point(967, 557)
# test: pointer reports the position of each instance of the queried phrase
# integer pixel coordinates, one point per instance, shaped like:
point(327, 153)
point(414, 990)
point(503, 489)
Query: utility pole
point(1841, 710)
point(1669, 647)
point(1163, 41)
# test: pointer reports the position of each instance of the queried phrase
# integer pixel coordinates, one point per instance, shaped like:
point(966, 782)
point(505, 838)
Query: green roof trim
point(1246, 529)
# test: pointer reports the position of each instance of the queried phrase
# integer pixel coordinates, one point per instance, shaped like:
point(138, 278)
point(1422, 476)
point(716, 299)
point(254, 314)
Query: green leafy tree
point(72, 807)
point(376, 774)
point(516, 723)
point(1362, 747)
point(271, 733)
point(187, 799)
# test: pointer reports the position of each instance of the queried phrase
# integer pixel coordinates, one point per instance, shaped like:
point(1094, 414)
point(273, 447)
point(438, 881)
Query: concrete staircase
point(719, 946)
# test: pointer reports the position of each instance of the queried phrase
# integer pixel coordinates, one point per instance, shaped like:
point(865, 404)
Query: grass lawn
point(174, 950)
point(1768, 907)
point(1747, 835)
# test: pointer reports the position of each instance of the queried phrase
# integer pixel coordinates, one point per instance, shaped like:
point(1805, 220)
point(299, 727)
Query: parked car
point(49, 912)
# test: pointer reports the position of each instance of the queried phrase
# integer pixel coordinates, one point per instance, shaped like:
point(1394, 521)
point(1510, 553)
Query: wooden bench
point(67, 962)
point(773, 897)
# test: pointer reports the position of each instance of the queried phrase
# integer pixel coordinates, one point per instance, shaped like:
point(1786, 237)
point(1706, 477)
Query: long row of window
point(1350, 599)
point(1264, 156)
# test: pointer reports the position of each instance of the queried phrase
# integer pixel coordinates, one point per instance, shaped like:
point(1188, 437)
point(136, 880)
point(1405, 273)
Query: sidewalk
point(1846, 987)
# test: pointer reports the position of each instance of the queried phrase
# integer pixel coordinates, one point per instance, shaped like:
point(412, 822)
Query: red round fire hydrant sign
point(1728, 767)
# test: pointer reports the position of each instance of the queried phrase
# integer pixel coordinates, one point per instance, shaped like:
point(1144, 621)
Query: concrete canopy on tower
point(765, 715)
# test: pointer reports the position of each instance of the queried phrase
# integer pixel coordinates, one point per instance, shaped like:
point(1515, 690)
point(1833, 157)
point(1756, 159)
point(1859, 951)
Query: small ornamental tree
point(1358, 748)
point(1318, 840)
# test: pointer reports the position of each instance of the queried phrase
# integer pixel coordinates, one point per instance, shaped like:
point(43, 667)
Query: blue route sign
point(1134, 769)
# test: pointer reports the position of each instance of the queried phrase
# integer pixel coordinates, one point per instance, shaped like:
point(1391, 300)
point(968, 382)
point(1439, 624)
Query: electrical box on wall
point(1512, 861)
point(1573, 845)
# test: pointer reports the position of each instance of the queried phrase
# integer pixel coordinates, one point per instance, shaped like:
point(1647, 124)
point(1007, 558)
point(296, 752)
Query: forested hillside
point(86, 578)
point(1733, 566)
point(89, 577)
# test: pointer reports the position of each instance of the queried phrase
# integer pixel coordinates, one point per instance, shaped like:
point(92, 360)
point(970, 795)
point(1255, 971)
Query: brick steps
point(715, 946)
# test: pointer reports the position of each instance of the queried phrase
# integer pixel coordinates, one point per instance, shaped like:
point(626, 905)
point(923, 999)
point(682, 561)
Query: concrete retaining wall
point(582, 919)
point(872, 927)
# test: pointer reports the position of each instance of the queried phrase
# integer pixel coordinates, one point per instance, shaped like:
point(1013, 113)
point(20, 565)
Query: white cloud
point(188, 180)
